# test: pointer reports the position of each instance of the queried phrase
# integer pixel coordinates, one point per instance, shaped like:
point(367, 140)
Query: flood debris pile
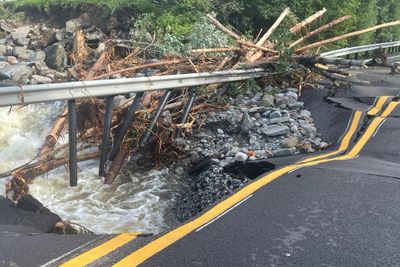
point(224, 123)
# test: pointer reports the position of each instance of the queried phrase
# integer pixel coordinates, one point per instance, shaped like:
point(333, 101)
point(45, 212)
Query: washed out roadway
point(331, 210)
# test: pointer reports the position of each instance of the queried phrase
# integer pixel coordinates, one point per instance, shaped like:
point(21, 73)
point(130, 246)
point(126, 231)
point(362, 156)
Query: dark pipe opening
point(251, 169)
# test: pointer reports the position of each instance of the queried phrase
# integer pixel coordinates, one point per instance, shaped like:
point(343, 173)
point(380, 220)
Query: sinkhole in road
point(249, 169)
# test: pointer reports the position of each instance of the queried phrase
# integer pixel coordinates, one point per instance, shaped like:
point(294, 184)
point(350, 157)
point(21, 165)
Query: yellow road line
point(378, 106)
point(100, 251)
point(344, 144)
point(144, 253)
point(352, 130)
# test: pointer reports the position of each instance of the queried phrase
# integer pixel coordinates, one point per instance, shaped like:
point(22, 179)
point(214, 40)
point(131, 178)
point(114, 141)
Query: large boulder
point(19, 73)
point(22, 52)
point(275, 130)
point(3, 49)
point(6, 27)
point(396, 67)
point(20, 35)
point(74, 25)
point(37, 79)
point(56, 57)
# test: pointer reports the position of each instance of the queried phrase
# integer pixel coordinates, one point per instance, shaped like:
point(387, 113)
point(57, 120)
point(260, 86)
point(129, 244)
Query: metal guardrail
point(359, 49)
point(16, 95)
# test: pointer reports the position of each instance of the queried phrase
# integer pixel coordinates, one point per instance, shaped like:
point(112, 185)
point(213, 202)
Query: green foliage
point(388, 10)
point(177, 21)
point(244, 88)
point(202, 35)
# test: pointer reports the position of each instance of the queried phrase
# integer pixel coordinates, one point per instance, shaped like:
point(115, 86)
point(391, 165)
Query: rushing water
point(136, 202)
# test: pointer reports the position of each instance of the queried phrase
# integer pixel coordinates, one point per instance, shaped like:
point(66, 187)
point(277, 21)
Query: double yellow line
point(144, 253)
point(100, 251)
point(149, 250)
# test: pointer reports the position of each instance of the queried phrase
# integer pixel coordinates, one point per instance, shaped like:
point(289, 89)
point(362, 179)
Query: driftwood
point(320, 30)
point(97, 66)
point(337, 77)
point(265, 49)
point(338, 38)
point(80, 52)
point(273, 27)
point(52, 138)
point(328, 69)
point(307, 21)
point(237, 37)
point(310, 60)
point(215, 50)
point(222, 27)
point(150, 65)
point(116, 166)
point(253, 56)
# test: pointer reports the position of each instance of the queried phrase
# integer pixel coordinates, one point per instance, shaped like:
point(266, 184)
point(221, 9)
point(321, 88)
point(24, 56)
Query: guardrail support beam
point(106, 135)
point(127, 121)
point(155, 117)
point(73, 163)
point(186, 111)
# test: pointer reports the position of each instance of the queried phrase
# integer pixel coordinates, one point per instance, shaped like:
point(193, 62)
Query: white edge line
point(377, 130)
point(219, 216)
point(68, 253)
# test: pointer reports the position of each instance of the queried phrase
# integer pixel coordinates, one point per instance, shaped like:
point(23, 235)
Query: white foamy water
point(136, 202)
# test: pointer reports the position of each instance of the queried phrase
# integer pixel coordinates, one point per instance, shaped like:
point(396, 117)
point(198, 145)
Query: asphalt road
point(339, 208)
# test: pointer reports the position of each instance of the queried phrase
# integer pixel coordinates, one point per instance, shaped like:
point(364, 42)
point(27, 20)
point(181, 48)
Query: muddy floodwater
point(136, 202)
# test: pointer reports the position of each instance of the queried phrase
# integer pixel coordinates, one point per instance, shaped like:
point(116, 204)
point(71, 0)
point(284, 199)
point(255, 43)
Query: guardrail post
point(155, 117)
point(186, 111)
point(106, 135)
point(73, 163)
point(127, 121)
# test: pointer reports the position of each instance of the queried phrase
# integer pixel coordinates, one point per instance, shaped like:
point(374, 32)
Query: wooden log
point(52, 138)
point(265, 37)
point(222, 28)
point(81, 51)
point(307, 21)
point(116, 166)
point(337, 77)
point(36, 169)
point(150, 65)
point(215, 50)
point(351, 34)
point(253, 56)
point(328, 69)
point(320, 30)
point(97, 66)
point(265, 49)
point(311, 60)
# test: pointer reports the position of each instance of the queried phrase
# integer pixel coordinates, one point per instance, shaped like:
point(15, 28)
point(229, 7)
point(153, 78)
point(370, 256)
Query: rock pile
point(39, 54)
point(261, 127)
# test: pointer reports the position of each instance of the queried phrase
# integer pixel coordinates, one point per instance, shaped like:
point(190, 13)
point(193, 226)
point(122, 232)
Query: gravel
point(252, 128)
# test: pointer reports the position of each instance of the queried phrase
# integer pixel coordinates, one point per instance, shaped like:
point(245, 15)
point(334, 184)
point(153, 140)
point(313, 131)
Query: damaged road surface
point(336, 207)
